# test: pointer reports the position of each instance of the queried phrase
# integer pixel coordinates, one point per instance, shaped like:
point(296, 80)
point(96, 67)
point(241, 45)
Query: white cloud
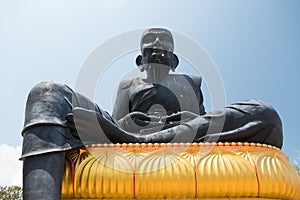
point(11, 166)
point(296, 161)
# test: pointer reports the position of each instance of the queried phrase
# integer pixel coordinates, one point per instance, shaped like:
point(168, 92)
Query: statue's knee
point(270, 114)
point(274, 127)
point(49, 88)
point(45, 86)
point(271, 122)
point(263, 111)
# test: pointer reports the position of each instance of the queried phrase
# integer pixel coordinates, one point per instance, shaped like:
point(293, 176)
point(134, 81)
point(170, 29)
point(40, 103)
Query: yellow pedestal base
point(180, 171)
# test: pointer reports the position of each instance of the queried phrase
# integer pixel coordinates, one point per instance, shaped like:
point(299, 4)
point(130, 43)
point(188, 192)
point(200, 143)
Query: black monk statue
point(163, 107)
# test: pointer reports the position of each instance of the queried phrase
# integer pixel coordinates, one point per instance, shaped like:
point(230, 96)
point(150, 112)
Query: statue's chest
point(172, 94)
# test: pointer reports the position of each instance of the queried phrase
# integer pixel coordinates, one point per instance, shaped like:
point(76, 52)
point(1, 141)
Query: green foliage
point(10, 193)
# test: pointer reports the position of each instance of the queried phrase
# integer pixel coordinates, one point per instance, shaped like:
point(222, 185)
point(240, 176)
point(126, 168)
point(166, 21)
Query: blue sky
point(254, 44)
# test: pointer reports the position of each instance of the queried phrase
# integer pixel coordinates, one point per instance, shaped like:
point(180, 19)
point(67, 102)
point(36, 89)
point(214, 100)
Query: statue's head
point(157, 38)
point(157, 46)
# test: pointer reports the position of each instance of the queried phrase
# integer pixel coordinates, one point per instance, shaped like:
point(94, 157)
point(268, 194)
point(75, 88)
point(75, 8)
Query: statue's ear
point(139, 63)
point(138, 60)
point(174, 62)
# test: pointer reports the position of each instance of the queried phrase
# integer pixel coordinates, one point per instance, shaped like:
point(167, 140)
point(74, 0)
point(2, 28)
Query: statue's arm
point(121, 106)
point(198, 81)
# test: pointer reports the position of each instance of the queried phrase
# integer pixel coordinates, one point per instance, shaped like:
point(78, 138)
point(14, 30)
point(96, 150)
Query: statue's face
point(157, 38)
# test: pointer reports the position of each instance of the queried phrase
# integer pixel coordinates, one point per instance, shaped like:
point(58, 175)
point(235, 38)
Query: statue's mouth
point(156, 56)
point(159, 56)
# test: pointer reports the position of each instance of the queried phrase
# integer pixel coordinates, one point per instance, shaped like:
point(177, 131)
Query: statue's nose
point(158, 44)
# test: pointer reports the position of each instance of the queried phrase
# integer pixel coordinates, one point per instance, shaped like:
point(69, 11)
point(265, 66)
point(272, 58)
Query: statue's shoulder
point(125, 83)
point(196, 79)
point(128, 82)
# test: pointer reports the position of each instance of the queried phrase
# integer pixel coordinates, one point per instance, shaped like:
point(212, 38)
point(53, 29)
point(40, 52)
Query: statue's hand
point(138, 118)
point(186, 115)
point(143, 119)
point(137, 121)
point(176, 117)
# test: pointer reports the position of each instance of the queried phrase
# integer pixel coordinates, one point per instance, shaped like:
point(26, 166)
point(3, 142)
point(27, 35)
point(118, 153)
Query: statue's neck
point(156, 75)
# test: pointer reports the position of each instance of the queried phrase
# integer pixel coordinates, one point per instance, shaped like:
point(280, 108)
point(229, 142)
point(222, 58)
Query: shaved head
point(157, 38)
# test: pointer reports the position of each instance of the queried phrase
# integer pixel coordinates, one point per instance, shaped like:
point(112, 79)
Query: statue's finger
point(140, 115)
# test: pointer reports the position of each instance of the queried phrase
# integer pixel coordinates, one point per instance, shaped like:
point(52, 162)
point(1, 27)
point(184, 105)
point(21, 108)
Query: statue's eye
point(149, 38)
point(167, 39)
